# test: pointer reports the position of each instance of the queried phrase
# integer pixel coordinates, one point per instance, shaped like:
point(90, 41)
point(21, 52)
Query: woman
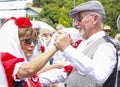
point(18, 45)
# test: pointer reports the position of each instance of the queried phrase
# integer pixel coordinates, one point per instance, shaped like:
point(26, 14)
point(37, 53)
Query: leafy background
point(57, 12)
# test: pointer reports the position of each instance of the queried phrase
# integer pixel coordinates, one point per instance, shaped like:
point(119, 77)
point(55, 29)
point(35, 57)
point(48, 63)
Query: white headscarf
point(9, 40)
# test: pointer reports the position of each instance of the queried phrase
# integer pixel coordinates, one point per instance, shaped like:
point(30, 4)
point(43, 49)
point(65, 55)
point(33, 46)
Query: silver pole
point(73, 7)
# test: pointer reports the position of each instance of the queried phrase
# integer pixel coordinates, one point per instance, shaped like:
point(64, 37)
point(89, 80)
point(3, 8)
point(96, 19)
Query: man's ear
point(95, 19)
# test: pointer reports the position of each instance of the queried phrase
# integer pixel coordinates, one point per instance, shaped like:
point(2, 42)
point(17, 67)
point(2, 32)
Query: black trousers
point(118, 82)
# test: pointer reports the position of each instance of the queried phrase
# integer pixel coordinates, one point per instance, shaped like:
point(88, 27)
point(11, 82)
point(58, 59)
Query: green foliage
point(57, 11)
point(36, 3)
point(112, 12)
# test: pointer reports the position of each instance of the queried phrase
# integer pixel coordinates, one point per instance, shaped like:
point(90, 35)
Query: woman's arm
point(31, 68)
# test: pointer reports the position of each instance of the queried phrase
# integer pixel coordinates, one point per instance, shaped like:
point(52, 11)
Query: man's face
point(83, 21)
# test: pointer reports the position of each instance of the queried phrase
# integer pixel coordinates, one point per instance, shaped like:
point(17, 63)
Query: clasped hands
point(62, 40)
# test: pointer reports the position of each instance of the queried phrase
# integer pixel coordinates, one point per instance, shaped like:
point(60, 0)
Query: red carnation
point(77, 43)
point(68, 68)
point(23, 22)
point(42, 48)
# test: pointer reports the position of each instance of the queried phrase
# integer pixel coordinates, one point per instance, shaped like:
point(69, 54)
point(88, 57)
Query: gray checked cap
point(94, 6)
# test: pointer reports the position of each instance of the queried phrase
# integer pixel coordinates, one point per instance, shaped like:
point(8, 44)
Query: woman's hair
point(27, 32)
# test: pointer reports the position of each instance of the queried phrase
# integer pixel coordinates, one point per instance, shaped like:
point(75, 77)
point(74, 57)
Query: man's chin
point(82, 33)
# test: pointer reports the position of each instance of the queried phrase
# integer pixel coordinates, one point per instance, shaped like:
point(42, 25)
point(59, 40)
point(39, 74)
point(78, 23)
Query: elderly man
point(95, 58)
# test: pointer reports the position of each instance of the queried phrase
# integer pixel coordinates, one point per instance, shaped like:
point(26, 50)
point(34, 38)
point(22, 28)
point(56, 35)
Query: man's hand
point(62, 40)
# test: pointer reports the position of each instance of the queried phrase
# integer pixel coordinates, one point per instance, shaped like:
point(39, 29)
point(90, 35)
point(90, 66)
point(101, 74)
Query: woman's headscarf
point(9, 39)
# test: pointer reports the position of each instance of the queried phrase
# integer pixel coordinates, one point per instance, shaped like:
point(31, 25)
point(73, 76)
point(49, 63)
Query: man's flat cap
point(94, 6)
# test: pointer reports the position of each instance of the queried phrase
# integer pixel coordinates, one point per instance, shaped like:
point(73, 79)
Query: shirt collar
point(96, 36)
point(91, 39)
